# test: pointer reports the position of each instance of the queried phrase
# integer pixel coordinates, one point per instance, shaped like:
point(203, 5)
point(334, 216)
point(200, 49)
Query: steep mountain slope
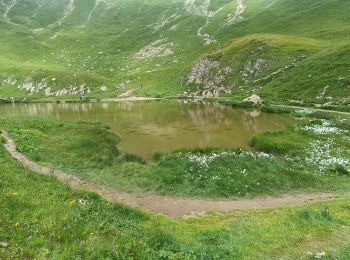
point(281, 49)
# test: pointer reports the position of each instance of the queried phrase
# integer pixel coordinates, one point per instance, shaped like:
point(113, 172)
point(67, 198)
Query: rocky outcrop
point(10, 81)
point(44, 87)
point(202, 73)
point(33, 87)
point(202, 9)
point(70, 91)
point(158, 48)
point(165, 21)
point(209, 76)
point(251, 68)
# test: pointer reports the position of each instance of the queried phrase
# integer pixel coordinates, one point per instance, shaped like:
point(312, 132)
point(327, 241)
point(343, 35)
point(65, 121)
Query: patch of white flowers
point(244, 172)
point(206, 159)
point(324, 129)
point(320, 153)
point(317, 255)
point(201, 164)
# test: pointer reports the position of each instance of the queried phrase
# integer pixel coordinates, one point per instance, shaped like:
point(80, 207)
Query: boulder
point(254, 99)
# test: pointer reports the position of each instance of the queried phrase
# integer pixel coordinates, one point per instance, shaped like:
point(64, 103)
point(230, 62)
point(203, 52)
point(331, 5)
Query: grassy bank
point(310, 156)
point(42, 218)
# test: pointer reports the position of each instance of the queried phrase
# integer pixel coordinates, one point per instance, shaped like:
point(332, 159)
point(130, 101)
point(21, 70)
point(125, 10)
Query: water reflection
point(152, 126)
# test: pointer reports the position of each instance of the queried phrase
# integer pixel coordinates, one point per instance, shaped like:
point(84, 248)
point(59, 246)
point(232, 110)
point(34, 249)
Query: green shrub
point(342, 170)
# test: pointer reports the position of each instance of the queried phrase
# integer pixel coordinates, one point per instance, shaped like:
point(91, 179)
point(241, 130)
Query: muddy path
point(170, 206)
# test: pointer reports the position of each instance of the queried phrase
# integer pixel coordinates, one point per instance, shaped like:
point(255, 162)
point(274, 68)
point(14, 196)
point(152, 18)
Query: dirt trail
point(315, 109)
point(173, 207)
point(128, 93)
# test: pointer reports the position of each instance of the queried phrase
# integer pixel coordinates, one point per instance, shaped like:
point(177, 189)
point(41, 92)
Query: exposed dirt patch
point(173, 207)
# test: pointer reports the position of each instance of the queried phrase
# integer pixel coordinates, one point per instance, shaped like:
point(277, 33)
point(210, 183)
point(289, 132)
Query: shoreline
point(213, 99)
point(129, 99)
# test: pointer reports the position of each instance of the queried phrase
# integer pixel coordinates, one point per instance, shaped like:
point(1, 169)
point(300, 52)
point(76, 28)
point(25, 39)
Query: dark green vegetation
point(42, 218)
point(310, 156)
point(285, 51)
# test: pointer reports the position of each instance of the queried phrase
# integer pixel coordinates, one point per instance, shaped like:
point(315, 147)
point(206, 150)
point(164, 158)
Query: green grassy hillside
point(280, 49)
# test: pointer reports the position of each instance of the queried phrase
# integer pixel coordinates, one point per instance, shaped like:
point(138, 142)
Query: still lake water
point(150, 126)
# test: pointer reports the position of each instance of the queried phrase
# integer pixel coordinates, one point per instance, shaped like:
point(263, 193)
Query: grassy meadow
point(42, 218)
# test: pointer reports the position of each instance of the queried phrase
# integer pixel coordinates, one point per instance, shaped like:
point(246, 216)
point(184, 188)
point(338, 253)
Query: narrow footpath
point(170, 206)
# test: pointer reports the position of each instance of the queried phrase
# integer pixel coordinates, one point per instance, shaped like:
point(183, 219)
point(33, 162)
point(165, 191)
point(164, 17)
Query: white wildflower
point(319, 255)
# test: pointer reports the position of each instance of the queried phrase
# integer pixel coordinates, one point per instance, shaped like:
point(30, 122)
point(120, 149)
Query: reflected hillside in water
point(146, 127)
